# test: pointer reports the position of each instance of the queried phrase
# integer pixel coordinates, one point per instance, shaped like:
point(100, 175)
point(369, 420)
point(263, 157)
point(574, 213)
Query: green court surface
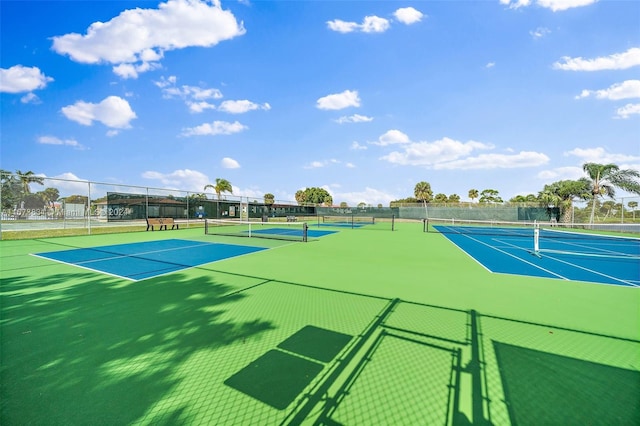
point(361, 327)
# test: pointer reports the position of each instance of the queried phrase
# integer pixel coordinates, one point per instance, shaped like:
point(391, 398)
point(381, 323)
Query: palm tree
point(562, 193)
point(473, 194)
point(605, 178)
point(423, 192)
point(27, 178)
point(222, 185)
point(269, 199)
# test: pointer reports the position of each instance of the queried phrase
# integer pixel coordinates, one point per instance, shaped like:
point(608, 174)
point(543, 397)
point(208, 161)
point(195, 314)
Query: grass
point(426, 334)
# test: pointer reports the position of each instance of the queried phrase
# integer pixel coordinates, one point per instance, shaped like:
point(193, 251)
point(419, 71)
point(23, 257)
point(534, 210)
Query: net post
point(305, 228)
point(536, 239)
point(425, 225)
point(393, 222)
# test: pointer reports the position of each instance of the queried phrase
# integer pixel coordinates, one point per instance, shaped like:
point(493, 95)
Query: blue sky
point(362, 98)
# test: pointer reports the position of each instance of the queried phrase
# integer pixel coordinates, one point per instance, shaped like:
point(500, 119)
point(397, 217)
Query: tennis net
point(526, 228)
point(289, 231)
point(347, 220)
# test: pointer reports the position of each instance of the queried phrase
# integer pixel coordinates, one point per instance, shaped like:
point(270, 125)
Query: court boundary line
point(508, 254)
point(184, 267)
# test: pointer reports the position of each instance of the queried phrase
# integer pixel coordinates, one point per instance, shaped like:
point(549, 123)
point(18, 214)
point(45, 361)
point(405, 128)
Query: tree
point(362, 205)
point(632, 205)
point(562, 193)
point(344, 205)
point(454, 198)
point(222, 185)
point(423, 193)
point(316, 195)
point(300, 196)
point(490, 196)
point(50, 195)
point(473, 194)
point(440, 198)
point(605, 178)
point(269, 199)
point(27, 178)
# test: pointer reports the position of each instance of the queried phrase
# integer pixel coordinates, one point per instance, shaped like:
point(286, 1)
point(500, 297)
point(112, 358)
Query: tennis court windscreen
point(289, 231)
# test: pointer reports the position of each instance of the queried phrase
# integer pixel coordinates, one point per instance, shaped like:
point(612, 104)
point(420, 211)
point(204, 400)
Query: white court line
point(81, 264)
point(574, 265)
point(508, 254)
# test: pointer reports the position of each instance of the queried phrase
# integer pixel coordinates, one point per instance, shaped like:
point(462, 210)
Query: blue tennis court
point(139, 261)
point(563, 255)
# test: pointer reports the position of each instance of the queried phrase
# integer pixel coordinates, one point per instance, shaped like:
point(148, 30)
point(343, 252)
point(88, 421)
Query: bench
point(161, 223)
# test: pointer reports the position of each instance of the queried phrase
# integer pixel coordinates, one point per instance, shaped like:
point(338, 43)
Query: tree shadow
point(102, 351)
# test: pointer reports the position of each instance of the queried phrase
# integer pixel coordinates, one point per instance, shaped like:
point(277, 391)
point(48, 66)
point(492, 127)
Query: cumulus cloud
point(539, 32)
point(600, 155)
point(448, 153)
point(112, 111)
point(554, 5)
point(625, 90)
point(628, 110)
point(355, 118)
point(215, 128)
point(616, 61)
point(52, 140)
point(346, 99)
point(370, 24)
point(196, 98)
point(561, 173)
point(19, 79)
point(240, 107)
point(229, 163)
point(180, 179)
point(408, 15)
point(136, 39)
point(320, 164)
point(357, 147)
point(391, 137)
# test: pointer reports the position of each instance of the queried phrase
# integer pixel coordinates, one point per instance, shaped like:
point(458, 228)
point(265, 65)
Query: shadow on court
point(103, 352)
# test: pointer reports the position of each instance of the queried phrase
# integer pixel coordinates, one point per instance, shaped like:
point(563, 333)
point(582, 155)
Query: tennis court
point(357, 326)
point(557, 253)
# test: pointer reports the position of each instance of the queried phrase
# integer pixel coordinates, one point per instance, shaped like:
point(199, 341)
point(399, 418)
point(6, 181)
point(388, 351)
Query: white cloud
point(496, 161)
point(30, 98)
point(391, 137)
point(242, 106)
point(342, 26)
point(490, 65)
point(357, 147)
point(355, 118)
point(198, 107)
point(374, 24)
point(320, 164)
point(346, 99)
point(539, 32)
point(554, 5)
point(625, 90)
point(52, 140)
point(628, 110)
point(447, 153)
point(369, 196)
point(350, 166)
point(112, 111)
point(561, 173)
point(229, 163)
point(18, 79)
point(600, 155)
point(370, 24)
point(215, 128)
point(186, 179)
point(616, 61)
point(408, 15)
point(137, 38)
